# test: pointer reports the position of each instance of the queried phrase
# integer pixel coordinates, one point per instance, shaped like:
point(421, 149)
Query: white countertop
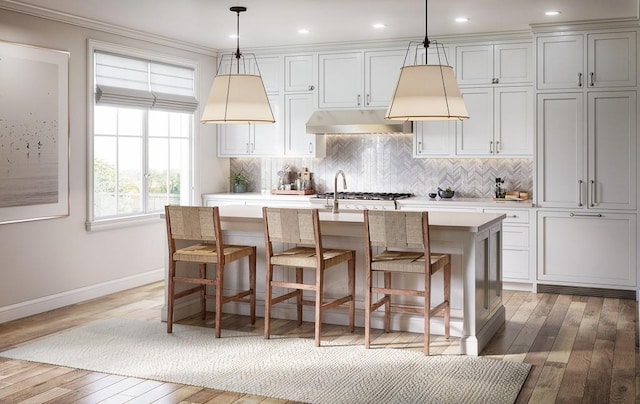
point(459, 221)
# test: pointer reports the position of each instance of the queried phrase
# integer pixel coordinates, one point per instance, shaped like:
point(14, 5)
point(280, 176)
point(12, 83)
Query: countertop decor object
point(239, 181)
point(446, 193)
point(240, 97)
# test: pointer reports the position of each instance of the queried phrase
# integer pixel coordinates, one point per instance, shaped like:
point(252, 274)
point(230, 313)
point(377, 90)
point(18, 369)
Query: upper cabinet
point(508, 63)
point(593, 60)
point(300, 73)
point(358, 79)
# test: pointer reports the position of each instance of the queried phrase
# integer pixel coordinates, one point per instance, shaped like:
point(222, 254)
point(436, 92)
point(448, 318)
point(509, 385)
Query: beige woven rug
point(282, 367)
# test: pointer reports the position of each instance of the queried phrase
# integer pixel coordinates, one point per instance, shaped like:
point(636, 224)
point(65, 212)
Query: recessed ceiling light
point(303, 31)
point(379, 26)
point(552, 13)
point(462, 19)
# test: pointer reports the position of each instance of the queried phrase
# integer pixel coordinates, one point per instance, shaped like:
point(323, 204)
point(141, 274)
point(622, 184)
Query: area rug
point(283, 367)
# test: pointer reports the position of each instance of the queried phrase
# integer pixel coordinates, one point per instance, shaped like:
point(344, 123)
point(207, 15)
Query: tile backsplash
point(384, 163)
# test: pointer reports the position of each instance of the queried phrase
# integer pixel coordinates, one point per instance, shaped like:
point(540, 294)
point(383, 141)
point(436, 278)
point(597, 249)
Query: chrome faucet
point(335, 190)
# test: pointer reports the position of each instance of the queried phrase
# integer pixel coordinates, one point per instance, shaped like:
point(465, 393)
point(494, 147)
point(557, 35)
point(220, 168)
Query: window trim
point(91, 223)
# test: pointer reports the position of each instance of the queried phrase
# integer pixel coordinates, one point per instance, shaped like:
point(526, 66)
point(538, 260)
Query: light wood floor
point(583, 350)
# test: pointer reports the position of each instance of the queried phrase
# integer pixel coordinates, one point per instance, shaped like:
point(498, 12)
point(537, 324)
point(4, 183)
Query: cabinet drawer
point(515, 237)
point(515, 265)
point(513, 215)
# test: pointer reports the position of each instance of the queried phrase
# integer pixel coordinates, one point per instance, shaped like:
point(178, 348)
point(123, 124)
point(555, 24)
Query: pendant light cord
point(426, 42)
point(238, 54)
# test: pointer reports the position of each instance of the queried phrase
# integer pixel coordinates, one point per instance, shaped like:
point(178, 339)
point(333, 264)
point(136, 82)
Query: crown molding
point(573, 26)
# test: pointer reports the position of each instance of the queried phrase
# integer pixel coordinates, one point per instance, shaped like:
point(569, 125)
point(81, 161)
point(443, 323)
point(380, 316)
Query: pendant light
point(427, 92)
point(239, 97)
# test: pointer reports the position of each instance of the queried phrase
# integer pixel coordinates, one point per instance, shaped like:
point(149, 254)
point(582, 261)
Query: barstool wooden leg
point(252, 286)
point(319, 289)
point(267, 301)
point(447, 297)
point(427, 310)
point(387, 303)
point(219, 283)
point(299, 280)
point(367, 309)
point(203, 291)
point(170, 293)
point(352, 291)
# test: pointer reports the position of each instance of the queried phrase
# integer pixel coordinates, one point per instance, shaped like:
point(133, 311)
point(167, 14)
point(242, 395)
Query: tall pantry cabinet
point(586, 158)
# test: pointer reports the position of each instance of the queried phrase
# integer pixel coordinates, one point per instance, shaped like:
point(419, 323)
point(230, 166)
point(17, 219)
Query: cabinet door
point(268, 138)
point(474, 64)
point(474, 136)
point(560, 61)
point(382, 69)
point(340, 76)
point(270, 69)
point(587, 249)
point(612, 163)
point(433, 138)
point(298, 109)
point(234, 139)
point(513, 121)
point(299, 73)
point(513, 63)
point(561, 150)
point(611, 59)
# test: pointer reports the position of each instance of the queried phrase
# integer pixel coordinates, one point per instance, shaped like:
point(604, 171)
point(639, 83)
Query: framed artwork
point(34, 133)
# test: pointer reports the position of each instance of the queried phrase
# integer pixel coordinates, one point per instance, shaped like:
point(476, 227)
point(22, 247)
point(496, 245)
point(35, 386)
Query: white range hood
point(355, 121)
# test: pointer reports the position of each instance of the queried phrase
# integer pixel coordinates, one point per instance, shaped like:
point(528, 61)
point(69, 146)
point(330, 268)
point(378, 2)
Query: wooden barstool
point(202, 226)
point(397, 232)
point(301, 227)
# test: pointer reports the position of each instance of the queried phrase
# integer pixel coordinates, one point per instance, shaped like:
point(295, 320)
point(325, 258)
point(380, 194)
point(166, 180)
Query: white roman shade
point(130, 82)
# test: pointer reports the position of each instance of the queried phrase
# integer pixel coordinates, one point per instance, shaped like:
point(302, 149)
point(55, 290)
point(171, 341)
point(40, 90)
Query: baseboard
point(46, 303)
point(586, 291)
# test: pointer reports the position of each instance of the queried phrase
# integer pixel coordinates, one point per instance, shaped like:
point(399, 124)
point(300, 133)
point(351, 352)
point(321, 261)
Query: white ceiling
point(208, 23)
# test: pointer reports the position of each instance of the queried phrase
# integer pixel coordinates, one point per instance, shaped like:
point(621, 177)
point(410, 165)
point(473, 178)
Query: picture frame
point(34, 133)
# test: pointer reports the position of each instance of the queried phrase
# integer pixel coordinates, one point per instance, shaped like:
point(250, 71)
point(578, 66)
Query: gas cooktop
point(368, 196)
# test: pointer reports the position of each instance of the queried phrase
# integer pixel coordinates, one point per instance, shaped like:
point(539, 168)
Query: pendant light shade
point(239, 97)
point(427, 92)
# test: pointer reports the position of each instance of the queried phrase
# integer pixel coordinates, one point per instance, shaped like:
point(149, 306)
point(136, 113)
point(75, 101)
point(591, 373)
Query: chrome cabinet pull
point(497, 146)
point(579, 79)
point(585, 214)
point(592, 79)
point(580, 193)
point(368, 99)
point(419, 147)
point(592, 185)
point(311, 88)
point(490, 146)
point(310, 147)
point(248, 151)
point(358, 99)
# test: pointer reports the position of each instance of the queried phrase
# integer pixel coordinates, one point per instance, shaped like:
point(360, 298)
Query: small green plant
point(240, 178)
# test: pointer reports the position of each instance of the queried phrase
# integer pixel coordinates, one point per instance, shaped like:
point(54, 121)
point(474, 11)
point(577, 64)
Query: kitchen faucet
point(335, 190)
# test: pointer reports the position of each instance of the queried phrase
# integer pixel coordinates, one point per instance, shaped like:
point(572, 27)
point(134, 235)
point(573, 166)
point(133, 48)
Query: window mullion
point(145, 162)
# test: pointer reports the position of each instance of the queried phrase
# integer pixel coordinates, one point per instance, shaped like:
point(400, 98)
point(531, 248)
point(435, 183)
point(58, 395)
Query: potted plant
point(239, 182)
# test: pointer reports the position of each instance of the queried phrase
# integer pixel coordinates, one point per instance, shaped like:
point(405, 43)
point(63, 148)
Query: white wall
point(50, 263)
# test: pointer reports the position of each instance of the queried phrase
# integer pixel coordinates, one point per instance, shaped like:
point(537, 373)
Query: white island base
point(474, 241)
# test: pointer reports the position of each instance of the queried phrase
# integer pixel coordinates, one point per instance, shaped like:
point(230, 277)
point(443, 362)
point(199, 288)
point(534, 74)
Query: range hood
point(356, 121)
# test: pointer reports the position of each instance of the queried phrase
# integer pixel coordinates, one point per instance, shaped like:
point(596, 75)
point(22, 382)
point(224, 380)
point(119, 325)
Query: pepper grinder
point(500, 192)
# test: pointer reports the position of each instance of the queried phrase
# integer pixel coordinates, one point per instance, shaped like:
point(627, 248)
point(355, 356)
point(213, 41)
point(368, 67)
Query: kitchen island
point(473, 240)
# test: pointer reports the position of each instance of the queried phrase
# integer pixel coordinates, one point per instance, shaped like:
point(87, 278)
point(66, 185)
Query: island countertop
point(458, 221)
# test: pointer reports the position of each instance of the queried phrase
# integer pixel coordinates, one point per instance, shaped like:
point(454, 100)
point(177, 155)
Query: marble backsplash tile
point(383, 163)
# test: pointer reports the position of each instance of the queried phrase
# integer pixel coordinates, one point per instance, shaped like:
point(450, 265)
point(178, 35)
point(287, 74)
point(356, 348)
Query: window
point(143, 129)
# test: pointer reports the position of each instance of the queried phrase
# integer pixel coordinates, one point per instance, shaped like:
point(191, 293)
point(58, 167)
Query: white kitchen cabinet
point(590, 249)
point(297, 110)
point(268, 67)
point(237, 140)
point(500, 122)
point(517, 245)
point(587, 156)
point(592, 60)
point(433, 138)
point(358, 79)
point(486, 64)
point(300, 73)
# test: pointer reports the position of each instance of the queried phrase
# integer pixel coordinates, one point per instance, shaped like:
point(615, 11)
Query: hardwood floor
point(583, 349)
